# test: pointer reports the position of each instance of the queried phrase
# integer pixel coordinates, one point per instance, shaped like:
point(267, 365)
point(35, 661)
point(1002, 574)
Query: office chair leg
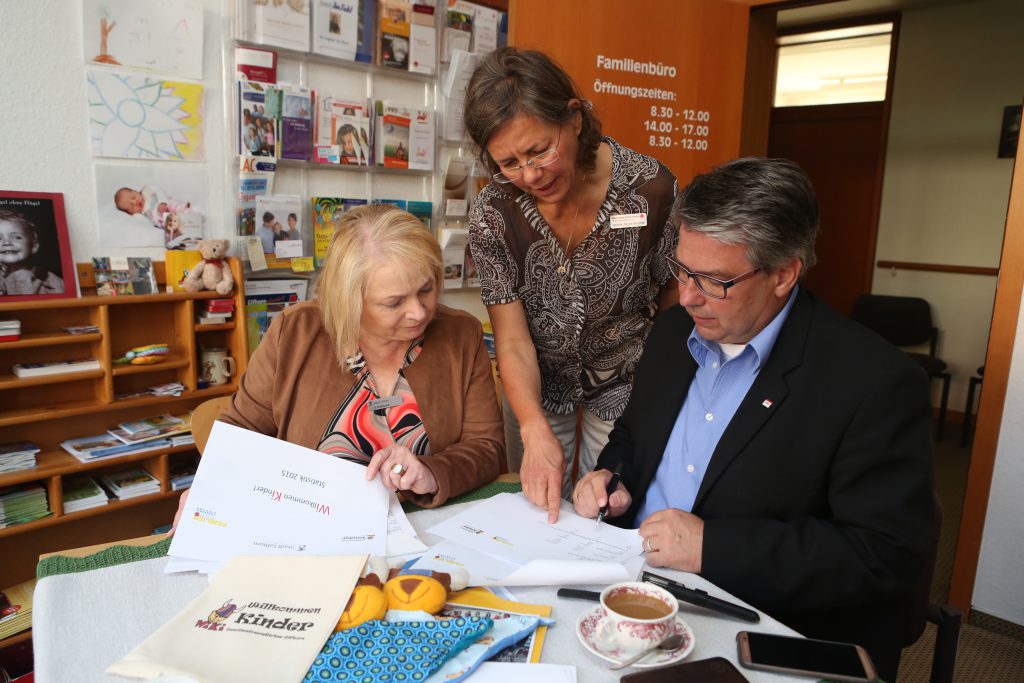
point(947, 640)
point(965, 433)
point(941, 428)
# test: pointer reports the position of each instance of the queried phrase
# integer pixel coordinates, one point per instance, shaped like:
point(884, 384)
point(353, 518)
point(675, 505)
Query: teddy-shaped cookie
point(213, 272)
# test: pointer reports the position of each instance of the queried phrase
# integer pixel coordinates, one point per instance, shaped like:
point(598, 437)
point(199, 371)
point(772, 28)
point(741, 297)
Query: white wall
point(945, 192)
point(44, 143)
point(999, 584)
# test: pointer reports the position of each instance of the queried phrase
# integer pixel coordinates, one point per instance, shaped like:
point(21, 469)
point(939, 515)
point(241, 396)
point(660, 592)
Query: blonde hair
point(366, 236)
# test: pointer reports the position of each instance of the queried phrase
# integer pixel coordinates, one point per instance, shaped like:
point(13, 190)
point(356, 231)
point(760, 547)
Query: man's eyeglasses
point(548, 156)
point(712, 286)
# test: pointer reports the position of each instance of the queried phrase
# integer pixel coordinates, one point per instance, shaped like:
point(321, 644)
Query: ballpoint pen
point(616, 477)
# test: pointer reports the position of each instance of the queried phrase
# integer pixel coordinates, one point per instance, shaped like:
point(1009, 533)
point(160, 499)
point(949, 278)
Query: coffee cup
point(637, 615)
point(216, 366)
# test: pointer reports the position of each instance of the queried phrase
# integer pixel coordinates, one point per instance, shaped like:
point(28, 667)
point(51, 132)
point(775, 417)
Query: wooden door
point(842, 148)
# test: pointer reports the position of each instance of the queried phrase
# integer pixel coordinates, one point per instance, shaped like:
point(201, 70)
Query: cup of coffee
point(638, 615)
point(216, 366)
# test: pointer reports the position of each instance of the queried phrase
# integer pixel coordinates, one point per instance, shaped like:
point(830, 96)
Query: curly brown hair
point(508, 82)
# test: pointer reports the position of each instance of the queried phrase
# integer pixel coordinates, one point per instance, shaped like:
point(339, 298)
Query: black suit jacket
point(818, 500)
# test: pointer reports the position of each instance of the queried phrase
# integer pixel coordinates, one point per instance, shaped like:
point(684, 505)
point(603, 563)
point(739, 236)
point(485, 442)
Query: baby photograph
point(150, 206)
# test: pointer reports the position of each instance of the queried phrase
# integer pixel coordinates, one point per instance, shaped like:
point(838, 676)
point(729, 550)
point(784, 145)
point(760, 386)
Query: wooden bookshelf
point(50, 409)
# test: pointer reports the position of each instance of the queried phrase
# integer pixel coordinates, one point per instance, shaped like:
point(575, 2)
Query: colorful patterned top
point(356, 431)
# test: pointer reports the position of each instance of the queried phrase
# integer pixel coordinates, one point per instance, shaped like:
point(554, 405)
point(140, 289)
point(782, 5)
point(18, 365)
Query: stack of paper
point(17, 456)
point(89, 448)
point(505, 540)
point(131, 483)
point(10, 330)
point(152, 428)
point(22, 503)
point(16, 608)
point(256, 495)
point(82, 493)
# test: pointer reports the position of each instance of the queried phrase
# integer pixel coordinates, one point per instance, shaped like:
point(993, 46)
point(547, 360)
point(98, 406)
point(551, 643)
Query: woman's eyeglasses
point(545, 158)
point(712, 286)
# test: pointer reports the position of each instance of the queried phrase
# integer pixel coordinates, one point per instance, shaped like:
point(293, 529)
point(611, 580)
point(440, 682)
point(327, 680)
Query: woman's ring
point(397, 469)
point(647, 544)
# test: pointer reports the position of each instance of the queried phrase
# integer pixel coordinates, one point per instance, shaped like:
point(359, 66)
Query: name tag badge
point(628, 220)
point(385, 403)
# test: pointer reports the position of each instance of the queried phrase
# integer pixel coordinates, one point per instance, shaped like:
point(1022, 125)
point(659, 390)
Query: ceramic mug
point(216, 366)
point(637, 615)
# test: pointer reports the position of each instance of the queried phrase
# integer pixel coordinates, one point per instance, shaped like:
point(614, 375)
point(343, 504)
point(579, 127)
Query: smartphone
point(805, 656)
point(714, 670)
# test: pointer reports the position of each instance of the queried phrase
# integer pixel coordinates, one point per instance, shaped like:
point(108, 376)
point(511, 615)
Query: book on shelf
point(292, 108)
point(16, 613)
point(422, 40)
point(265, 300)
point(422, 210)
point(280, 225)
point(17, 456)
point(153, 424)
point(22, 503)
point(10, 330)
point(55, 367)
point(393, 123)
point(344, 131)
point(81, 329)
point(81, 493)
point(399, 203)
point(255, 179)
point(327, 212)
point(281, 24)
point(255, 137)
point(177, 265)
point(213, 319)
point(89, 448)
point(217, 305)
point(255, 64)
point(182, 473)
point(130, 483)
point(393, 47)
point(335, 26)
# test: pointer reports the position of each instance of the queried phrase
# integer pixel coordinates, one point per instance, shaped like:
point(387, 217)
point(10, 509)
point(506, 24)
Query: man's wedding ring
point(647, 544)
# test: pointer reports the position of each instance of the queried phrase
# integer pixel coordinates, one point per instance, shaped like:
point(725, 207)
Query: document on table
point(257, 495)
point(508, 527)
point(498, 672)
point(488, 570)
point(402, 538)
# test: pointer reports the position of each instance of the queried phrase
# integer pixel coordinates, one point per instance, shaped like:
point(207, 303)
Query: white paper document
point(508, 527)
point(402, 538)
point(487, 570)
point(500, 672)
point(257, 495)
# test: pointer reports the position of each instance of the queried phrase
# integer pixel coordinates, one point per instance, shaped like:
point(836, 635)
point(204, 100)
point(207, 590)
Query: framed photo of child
point(35, 252)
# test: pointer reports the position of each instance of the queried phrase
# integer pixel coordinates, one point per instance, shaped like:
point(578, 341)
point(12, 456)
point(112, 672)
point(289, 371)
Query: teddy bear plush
point(213, 272)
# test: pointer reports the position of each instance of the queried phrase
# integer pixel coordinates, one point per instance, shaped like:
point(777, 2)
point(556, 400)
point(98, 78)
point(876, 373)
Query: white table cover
point(83, 622)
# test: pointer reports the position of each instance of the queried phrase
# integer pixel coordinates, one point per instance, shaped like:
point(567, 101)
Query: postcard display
point(343, 104)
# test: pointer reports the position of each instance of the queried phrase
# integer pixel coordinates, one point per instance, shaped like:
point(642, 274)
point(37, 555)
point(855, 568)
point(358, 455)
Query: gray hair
point(508, 82)
point(765, 205)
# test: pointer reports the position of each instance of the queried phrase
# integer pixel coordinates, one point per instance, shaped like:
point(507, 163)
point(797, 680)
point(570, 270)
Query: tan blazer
point(294, 384)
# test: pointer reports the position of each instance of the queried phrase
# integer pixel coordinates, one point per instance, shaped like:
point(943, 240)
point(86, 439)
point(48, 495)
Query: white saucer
point(590, 621)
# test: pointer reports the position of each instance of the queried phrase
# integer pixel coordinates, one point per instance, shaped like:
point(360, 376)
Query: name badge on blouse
point(385, 403)
point(628, 220)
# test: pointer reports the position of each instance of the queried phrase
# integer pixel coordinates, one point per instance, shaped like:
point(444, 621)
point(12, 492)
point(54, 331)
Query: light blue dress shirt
point(715, 394)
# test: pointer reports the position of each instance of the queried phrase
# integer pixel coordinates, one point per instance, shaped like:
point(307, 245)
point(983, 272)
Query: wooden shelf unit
point(50, 409)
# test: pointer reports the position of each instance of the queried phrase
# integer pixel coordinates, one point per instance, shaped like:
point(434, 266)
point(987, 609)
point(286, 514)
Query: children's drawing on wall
point(35, 254)
point(150, 205)
point(159, 35)
point(141, 117)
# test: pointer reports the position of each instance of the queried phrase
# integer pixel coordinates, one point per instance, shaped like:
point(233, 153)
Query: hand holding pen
point(601, 494)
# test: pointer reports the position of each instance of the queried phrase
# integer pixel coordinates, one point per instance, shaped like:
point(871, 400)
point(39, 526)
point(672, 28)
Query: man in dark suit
point(771, 445)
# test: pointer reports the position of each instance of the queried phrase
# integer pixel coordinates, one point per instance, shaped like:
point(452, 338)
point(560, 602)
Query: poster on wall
point(142, 117)
point(150, 205)
point(158, 35)
point(35, 253)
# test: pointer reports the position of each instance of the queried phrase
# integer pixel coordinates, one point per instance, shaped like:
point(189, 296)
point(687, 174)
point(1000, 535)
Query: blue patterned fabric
point(381, 652)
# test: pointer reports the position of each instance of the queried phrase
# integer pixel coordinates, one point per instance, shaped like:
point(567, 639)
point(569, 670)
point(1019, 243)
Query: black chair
point(947, 618)
point(972, 385)
point(907, 321)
